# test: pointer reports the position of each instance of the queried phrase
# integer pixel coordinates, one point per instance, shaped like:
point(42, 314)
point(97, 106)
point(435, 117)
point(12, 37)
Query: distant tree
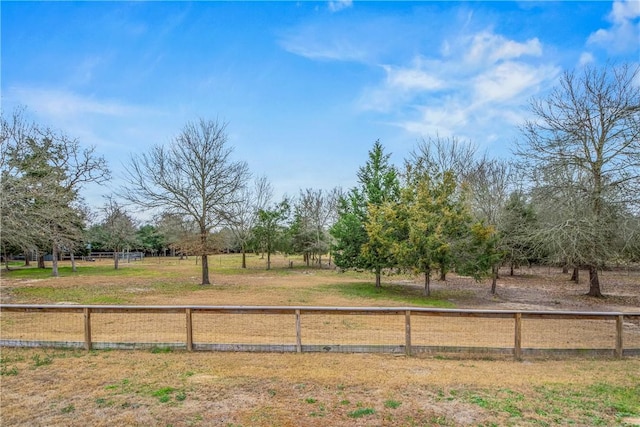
point(151, 239)
point(270, 228)
point(174, 230)
point(194, 178)
point(489, 188)
point(378, 184)
point(244, 216)
point(118, 229)
point(516, 227)
point(589, 126)
point(480, 253)
point(314, 213)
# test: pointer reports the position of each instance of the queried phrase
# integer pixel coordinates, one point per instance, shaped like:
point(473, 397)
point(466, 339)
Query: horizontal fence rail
point(408, 330)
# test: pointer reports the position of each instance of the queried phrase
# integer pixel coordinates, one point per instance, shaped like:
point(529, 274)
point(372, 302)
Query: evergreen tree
point(354, 246)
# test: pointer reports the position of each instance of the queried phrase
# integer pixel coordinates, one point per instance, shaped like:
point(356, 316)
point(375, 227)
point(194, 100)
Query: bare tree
point(194, 177)
point(589, 128)
point(437, 155)
point(315, 212)
point(489, 184)
point(244, 216)
point(118, 229)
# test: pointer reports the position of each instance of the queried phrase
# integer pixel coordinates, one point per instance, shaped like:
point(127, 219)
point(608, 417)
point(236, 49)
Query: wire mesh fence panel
point(230, 328)
point(443, 331)
point(140, 328)
point(339, 329)
point(631, 332)
point(376, 332)
point(568, 333)
point(37, 326)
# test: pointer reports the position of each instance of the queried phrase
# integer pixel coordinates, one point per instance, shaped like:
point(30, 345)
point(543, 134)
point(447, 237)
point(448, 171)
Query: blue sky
point(306, 87)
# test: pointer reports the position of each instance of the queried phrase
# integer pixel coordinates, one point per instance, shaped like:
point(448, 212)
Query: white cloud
point(508, 81)
point(337, 5)
point(411, 79)
point(624, 33)
point(625, 10)
point(477, 84)
point(400, 86)
point(586, 58)
point(492, 48)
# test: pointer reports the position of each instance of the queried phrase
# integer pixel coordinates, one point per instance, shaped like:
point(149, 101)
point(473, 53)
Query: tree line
point(570, 196)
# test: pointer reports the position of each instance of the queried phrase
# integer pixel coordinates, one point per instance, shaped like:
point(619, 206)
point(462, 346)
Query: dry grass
point(67, 388)
point(224, 389)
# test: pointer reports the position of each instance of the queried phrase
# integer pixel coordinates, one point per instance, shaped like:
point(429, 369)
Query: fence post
point(407, 332)
point(619, 343)
point(189, 330)
point(298, 332)
point(517, 345)
point(87, 328)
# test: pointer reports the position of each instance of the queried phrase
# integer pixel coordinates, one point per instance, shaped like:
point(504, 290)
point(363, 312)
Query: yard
point(162, 387)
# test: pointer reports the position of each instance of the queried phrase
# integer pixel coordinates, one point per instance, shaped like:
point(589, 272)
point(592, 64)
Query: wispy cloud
point(60, 104)
point(336, 49)
point(338, 5)
point(624, 33)
point(487, 47)
point(108, 124)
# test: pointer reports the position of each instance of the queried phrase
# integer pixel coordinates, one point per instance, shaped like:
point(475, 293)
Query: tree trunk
point(27, 259)
point(443, 274)
point(73, 262)
point(594, 282)
point(244, 258)
point(511, 270)
point(268, 260)
point(6, 260)
point(40, 260)
point(494, 279)
point(378, 280)
point(565, 269)
point(115, 259)
point(575, 275)
point(427, 283)
point(54, 260)
point(205, 270)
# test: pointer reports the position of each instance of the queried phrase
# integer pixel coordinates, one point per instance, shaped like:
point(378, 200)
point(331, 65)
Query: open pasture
point(163, 387)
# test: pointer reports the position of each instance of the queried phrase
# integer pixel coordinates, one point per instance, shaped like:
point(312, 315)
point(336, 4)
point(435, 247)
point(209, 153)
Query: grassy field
point(161, 387)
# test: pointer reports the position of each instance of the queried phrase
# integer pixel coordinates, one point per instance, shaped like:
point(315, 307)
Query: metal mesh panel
point(461, 331)
point(225, 328)
point(138, 327)
point(568, 333)
point(36, 326)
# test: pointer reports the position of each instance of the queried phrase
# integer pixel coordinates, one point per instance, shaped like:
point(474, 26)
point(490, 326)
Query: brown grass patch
point(124, 388)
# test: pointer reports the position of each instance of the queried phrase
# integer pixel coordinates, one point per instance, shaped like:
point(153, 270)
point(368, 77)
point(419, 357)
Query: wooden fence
point(412, 330)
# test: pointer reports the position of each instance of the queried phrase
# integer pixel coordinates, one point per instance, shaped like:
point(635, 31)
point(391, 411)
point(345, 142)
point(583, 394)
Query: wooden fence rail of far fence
point(412, 330)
